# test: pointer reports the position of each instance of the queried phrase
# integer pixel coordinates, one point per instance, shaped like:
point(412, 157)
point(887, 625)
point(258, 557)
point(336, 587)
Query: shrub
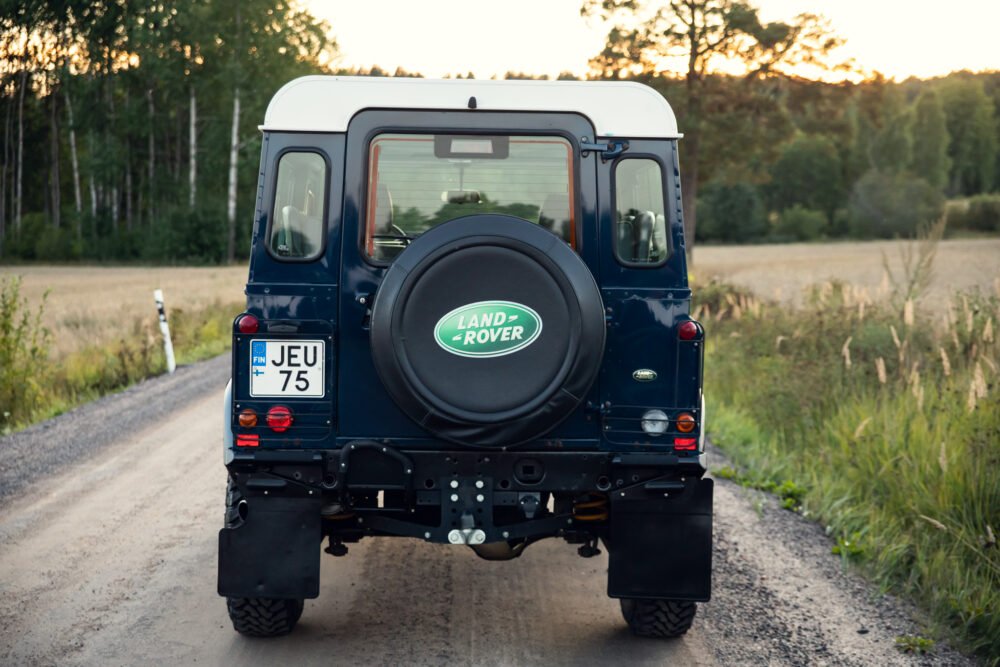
point(731, 213)
point(799, 223)
point(23, 354)
point(887, 205)
point(981, 213)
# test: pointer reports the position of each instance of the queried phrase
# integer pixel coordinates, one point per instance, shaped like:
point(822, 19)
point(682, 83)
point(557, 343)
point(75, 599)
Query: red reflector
point(686, 444)
point(247, 440)
point(279, 418)
point(689, 330)
point(248, 324)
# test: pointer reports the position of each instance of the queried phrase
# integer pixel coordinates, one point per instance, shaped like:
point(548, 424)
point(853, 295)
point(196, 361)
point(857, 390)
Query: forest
point(129, 129)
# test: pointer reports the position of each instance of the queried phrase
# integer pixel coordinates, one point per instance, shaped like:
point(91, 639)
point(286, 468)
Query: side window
point(640, 216)
point(297, 219)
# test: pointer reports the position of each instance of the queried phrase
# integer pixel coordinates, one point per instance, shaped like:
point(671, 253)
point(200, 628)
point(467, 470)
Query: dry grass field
point(782, 272)
point(93, 305)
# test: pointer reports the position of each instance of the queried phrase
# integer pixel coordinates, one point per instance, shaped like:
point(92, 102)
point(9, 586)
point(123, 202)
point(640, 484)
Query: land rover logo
point(488, 329)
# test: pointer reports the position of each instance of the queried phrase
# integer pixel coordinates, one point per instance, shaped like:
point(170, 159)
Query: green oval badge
point(488, 329)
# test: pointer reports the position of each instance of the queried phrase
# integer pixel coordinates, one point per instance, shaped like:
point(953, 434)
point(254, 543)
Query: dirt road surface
point(108, 557)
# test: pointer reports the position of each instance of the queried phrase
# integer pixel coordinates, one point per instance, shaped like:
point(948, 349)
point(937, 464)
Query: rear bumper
point(651, 510)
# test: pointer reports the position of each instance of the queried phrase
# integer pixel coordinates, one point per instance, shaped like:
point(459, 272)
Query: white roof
point(327, 103)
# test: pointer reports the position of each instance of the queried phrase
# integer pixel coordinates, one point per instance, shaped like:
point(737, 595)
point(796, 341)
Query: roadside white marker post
point(168, 347)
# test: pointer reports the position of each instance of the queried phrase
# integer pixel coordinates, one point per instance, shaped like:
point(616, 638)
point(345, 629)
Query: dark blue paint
point(329, 297)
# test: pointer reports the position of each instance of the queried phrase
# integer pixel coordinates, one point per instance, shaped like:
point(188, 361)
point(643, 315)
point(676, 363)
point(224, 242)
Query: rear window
point(417, 181)
point(299, 197)
point(640, 215)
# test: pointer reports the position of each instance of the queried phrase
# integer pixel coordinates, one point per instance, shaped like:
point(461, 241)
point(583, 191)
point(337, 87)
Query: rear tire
point(257, 617)
point(260, 617)
point(658, 618)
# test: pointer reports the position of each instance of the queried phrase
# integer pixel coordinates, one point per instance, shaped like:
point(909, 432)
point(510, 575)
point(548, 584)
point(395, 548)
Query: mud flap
point(660, 543)
point(275, 552)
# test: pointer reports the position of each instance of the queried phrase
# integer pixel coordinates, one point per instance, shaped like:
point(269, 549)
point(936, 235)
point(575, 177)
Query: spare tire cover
point(488, 330)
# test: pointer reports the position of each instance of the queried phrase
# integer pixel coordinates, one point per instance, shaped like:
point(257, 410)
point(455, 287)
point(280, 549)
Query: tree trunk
point(151, 169)
point(689, 155)
point(231, 198)
point(93, 185)
point(20, 152)
point(193, 151)
point(3, 176)
point(75, 163)
point(54, 145)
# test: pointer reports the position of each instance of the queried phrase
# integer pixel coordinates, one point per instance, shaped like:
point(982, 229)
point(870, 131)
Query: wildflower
point(880, 369)
point(934, 522)
point(846, 352)
point(945, 362)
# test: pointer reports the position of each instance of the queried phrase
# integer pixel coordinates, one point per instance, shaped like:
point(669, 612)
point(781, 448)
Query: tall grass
point(888, 413)
point(34, 385)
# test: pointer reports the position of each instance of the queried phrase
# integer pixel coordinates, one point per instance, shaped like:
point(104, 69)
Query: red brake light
point(248, 324)
point(279, 418)
point(247, 440)
point(688, 330)
point(686, 444)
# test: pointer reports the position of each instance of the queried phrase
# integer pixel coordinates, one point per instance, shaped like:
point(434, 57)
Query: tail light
point(279, 418)
point(247, 324)
point(248, 418)
point(689, 330)
point(686, 422)
point(686, 444)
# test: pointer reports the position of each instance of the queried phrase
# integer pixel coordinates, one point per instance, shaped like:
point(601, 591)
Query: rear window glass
point(299, 197)
point(640, 216)
point(417, 181)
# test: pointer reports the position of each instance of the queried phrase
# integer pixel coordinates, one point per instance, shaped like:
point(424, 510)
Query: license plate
point(287, 368)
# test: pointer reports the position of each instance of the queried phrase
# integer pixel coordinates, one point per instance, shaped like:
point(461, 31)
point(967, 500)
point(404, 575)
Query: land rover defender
point(467, 323)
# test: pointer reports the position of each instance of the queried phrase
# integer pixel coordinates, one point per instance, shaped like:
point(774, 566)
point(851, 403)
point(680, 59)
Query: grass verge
point(881, 423)
point(35, 386)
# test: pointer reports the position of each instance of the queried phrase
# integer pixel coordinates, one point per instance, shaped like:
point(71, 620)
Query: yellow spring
point(595, 508)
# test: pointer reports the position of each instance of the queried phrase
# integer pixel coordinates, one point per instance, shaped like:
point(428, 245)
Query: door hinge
point(608, 150)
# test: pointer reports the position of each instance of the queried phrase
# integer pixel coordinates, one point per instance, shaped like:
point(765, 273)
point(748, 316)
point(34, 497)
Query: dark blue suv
point(467, 323)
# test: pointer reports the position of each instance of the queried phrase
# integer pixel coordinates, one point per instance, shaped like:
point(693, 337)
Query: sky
point(898, 38)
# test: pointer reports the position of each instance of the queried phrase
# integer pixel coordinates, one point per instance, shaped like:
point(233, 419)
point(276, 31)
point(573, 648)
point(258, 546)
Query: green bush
point(731, 213)
point(799, 224)
point(887, 205)
point(981, 213)
point(23, 356)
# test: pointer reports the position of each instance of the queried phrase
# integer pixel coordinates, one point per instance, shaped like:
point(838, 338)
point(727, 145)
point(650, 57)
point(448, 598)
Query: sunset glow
point(439, 37)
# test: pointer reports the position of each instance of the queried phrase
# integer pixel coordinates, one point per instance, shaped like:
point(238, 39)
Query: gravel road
point(108, 522)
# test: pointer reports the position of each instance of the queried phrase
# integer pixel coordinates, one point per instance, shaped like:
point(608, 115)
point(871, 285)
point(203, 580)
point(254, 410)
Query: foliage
point(799, 224)
point(914, 644)
point(34, 386)
point(980, 213)
point(732, 213)
point(107, 110)
point(971, 120)
point(887, 418)
point(807, 173)
point(930, 129)
point(886, 205)
point(23, 348)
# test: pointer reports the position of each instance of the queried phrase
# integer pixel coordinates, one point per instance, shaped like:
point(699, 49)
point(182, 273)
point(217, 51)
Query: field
point(94, 305)
point(782, 272)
